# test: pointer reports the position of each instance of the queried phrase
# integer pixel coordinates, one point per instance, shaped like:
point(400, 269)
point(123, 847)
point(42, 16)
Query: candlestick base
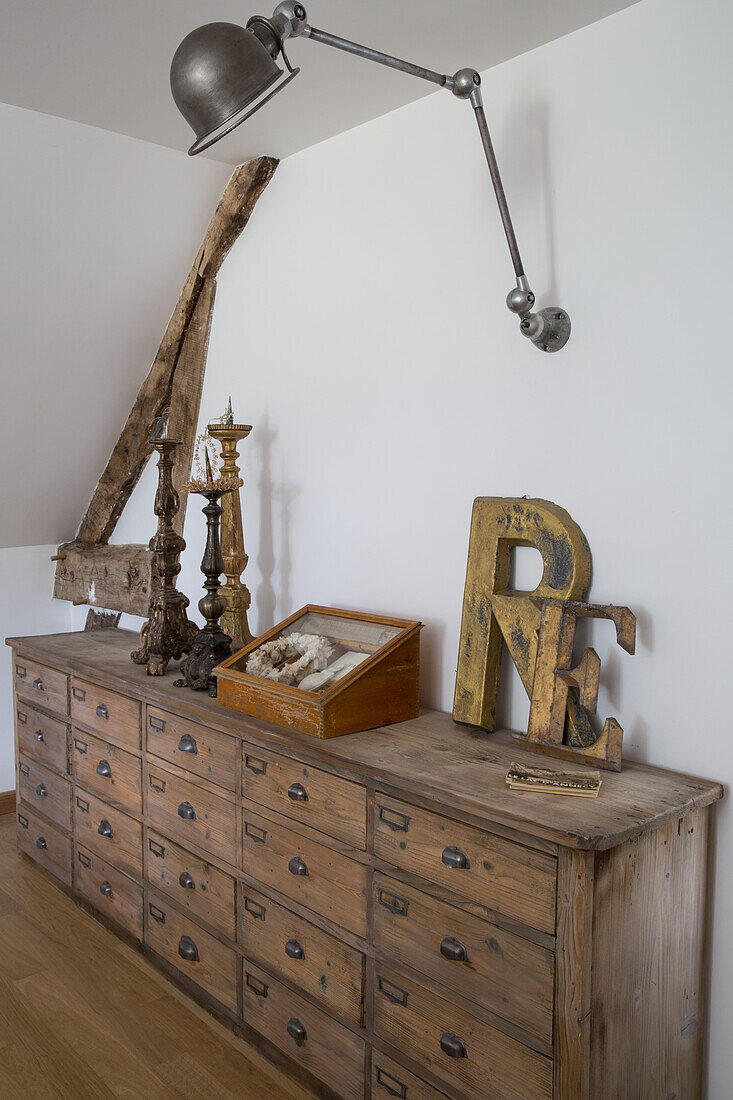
point(208, 649)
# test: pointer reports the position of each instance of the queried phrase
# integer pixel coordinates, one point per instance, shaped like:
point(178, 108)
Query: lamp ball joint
point(290, 19)
point(465, 82)
point(520, 301)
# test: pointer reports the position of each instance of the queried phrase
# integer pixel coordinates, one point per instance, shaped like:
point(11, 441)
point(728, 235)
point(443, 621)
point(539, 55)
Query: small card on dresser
point(584, 783)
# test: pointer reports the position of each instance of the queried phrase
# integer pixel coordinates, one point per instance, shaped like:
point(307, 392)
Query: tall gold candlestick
point(235, 593)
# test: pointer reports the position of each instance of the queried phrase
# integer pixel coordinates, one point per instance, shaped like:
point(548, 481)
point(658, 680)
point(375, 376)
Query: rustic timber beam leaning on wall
point(88, 571)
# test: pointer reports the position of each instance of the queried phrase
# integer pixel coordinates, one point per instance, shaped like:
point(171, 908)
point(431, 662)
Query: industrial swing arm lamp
point(222, 73)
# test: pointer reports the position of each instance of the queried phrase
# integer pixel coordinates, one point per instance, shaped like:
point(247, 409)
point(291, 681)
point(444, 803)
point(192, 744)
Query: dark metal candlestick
point(168, 633)
point(210, 645)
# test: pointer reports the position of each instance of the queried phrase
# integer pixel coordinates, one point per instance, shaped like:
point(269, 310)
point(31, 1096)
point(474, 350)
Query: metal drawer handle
point(395, 905)
point(81, 746)
point(186, 881)
point(41, 790)
point(38, 736)
point(156, 783)
point(22, 718)
point(105, 829)
point(257, 911)
point(23, 821)
point(188, 950)
point(38, 684)
point(297, 793)
point(157, 724)
point(84, 859)
point(259, 767)
point(392, 992)
point(451, 1045)
point(390, 1084)
point(156, 913)
point(298, 866)
point(186, 811)
point(297, 1031)
point(258, 835)
point(187, 744)
point(41, 843)
point(104, 769)
point(393, 819)
point(82, 804)
point(79, 693)
point(453, 950)
point(260, 988)
point(294, 950)
point(105, 888)
point(24, 770)
point(455, 859)
point(21, 672)
point(102, 711)
point(157, 849)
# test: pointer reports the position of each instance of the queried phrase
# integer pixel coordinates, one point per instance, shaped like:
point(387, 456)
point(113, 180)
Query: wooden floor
point(83, 1016)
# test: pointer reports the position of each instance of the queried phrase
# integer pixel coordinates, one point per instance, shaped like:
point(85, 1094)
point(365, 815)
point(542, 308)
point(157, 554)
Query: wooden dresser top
point(455, 768)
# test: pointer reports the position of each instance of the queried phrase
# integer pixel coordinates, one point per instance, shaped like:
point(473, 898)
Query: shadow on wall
point(266, 600)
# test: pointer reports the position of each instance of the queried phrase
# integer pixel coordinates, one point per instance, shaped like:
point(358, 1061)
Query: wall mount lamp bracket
point(222, 73)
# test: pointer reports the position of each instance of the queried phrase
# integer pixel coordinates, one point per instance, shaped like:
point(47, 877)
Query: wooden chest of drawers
point(380, 912)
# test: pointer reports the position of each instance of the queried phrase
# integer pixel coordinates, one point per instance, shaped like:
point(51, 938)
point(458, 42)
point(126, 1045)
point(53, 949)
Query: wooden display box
point(382, 689)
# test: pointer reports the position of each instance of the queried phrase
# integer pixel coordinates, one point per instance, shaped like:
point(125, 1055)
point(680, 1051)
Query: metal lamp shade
point(217, 73)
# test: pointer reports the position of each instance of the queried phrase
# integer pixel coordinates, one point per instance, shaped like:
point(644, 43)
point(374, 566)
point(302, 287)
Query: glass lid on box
point(317, 650)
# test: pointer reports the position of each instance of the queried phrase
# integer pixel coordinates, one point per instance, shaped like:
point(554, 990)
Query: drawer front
point(110, 833)
point(41, 685)
point(329, 971)
point(114, 716)
point(204, 752)
point(464, 1052)
point(44, 738)
point(45, 845)
point(205, 891)
point(326, 802)
point(190, 813)
point(499, 970)
point(199, 956)
point(390, 1079)
point(44, 791)
point(312, 1039)
point(517, 882)
point(327, 882)
point(112, 773)
point(109, 891)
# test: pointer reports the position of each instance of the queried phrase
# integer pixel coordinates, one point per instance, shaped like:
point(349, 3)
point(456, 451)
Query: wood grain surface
point(44, 791)
point(109, 891)
point(168, 797)
point(112, 773)
point(205, 752)
point(122, 847)
point(193, 883)
point(43, 737)
point(39, 684)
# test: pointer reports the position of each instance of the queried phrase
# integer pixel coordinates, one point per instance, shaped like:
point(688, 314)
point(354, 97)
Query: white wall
point(360, 327)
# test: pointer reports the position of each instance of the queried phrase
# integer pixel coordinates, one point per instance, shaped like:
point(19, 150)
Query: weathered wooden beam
point(131, 451)
point(118, 577)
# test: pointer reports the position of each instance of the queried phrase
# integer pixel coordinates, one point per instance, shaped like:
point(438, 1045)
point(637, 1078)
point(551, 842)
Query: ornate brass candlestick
point(236, 595)
point(168, 632)
point(211, 645)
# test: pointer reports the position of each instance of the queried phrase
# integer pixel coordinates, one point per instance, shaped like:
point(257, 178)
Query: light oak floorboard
point(85, 1017)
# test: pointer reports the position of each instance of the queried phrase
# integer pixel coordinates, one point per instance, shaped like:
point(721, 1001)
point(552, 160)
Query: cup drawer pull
point(188, 744)
point(105, 888)
point(186, 811)
point(104, 769)
point(41, 790)
point(105, 829)
point(41, 843)
point(186, 881)
point(453, 950)
point(157, 724)
point(297, 1031)
point(395, 905)
point(390, 1084)
point(79, 693)
point(394, 820)
point(297, 793)
point(258, 987)
point(392, 992)
point(102, 711)
point(294, 950)
point(188, 950)
point(156, 913)
point(455, 859)
point(298, 866)
point(38, 736)
point(258, 835)
point(38, 684)
point(451, 1045)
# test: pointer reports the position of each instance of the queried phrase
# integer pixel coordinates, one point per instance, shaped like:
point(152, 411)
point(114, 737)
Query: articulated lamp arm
point(548, 329)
